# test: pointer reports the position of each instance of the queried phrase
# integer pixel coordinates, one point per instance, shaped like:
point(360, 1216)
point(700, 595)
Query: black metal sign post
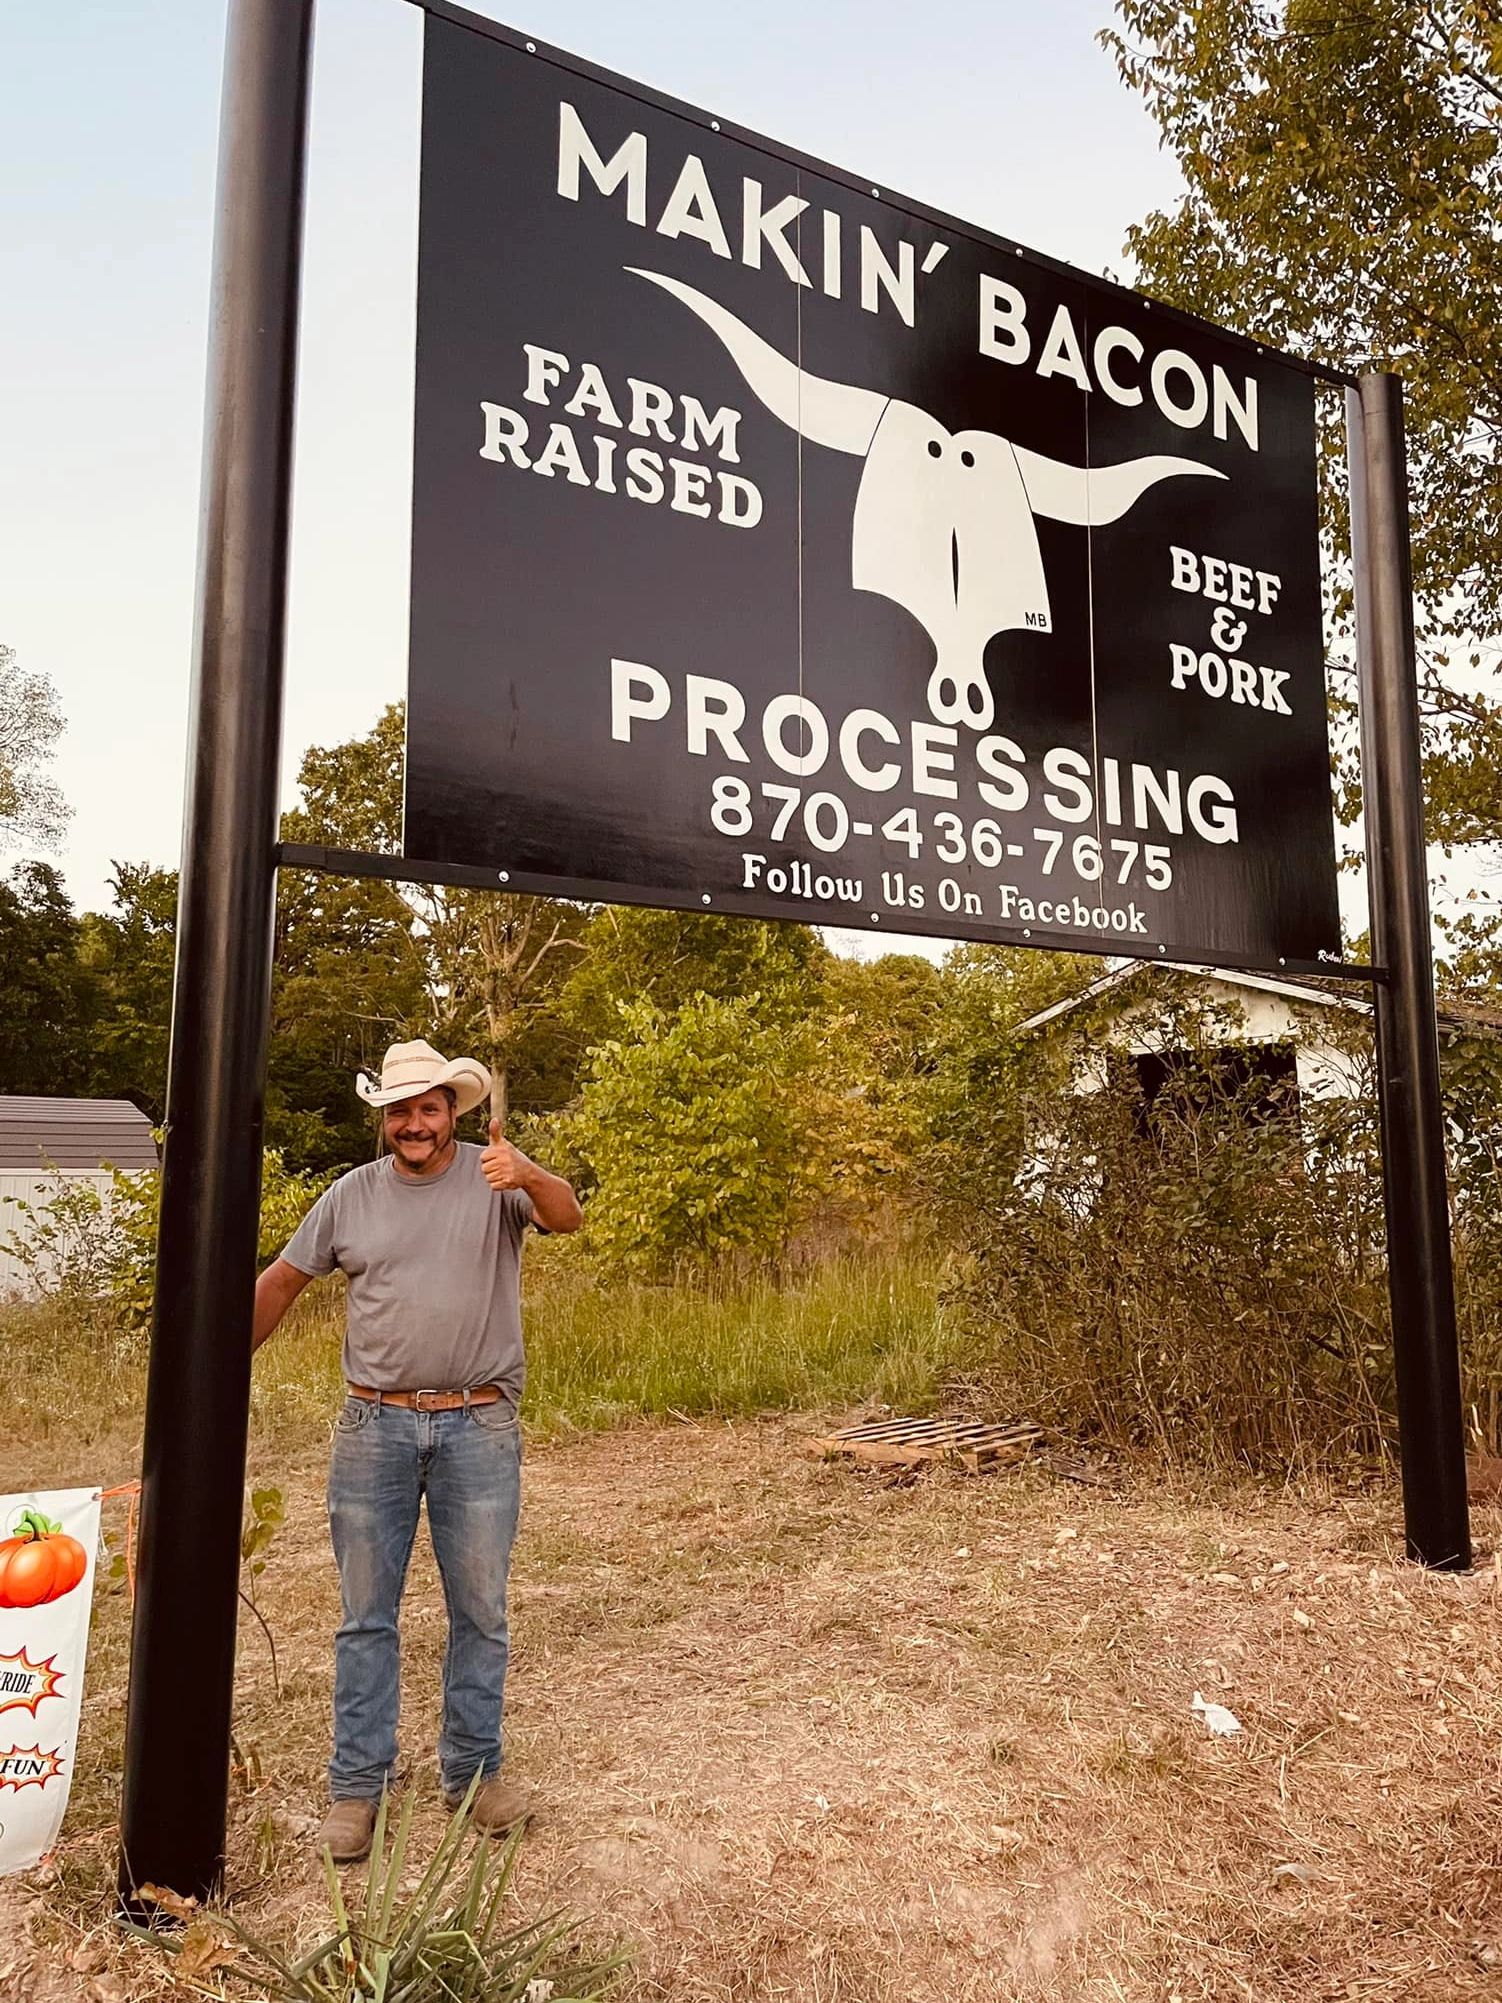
point(198, 1390)
point(1420, 1279)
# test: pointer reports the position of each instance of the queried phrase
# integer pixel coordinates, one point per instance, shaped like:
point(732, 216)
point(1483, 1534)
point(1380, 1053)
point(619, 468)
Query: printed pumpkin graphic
point(39, 1562)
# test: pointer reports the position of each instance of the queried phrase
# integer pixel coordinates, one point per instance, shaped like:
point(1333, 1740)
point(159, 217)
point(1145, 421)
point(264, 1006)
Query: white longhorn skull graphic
point(943, 519)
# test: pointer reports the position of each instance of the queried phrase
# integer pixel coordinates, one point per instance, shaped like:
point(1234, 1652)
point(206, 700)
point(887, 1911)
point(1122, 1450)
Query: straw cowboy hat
point(410, 1068)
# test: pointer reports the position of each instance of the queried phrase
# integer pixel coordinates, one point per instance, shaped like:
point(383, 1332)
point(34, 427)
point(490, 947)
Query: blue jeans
point(468, 1464)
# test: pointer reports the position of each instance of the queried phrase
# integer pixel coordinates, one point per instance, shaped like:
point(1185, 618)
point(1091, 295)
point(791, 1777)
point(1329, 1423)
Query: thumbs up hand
point(503, 1166)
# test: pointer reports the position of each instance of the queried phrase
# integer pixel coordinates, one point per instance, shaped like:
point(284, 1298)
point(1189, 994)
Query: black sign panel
point(783, 548)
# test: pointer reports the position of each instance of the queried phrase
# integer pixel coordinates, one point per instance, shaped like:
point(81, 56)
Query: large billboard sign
point(783, 547)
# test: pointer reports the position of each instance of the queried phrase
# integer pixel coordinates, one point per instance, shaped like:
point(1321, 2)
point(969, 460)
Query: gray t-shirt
point(434, 1270)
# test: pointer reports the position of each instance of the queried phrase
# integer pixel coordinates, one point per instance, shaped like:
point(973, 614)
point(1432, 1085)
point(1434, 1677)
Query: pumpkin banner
point(48, 1541)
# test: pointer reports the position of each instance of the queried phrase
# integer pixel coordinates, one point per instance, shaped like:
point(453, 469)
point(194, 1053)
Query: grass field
point(803, 1732)
point(597, 1353)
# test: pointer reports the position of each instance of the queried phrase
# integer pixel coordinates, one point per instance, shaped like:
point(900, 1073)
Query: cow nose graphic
point(956, 698)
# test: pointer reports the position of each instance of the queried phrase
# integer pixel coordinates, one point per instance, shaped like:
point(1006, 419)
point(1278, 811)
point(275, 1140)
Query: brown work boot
point(498, 1805)
point(347, 1831)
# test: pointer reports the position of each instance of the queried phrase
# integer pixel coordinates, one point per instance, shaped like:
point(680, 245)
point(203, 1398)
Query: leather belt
point(431, 1401)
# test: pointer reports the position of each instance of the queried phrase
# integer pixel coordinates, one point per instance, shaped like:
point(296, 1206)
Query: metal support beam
point(198, 1388)
point(1420, 1279)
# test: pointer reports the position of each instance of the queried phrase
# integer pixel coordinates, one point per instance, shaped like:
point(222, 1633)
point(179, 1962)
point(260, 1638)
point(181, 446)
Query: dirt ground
point(804, 1732)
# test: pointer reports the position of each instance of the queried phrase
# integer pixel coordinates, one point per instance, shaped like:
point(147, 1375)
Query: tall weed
point(862, 1326)
point(602, 1349)
point(1205, 1272)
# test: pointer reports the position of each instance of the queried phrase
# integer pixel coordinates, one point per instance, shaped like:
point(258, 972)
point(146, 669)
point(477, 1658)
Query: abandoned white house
point(1295, 1035)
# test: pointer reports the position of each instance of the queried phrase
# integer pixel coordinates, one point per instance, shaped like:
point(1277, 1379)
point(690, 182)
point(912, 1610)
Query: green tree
point(351, 967)
point(497, 964)
point(50, 998)
point(81, 1246)
point(878, 1039)
point(477, 966)
point(128, 952)
point(352, 792)
point(670, 957)
point(694, 1126)
point(983, 1071)
point(1343, 167)
point(33, 812)
point(135, 1209)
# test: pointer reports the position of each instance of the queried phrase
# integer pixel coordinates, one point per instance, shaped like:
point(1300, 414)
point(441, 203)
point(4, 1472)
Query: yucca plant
point(441, 1942)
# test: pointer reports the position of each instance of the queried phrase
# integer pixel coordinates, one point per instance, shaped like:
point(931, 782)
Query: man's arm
point(276, 1290)
point(554, 1204)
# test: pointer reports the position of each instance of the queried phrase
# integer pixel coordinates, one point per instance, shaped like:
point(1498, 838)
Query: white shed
point(48, 1143)
point(1283, 1021)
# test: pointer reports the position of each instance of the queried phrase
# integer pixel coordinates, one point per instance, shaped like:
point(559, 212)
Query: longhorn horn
point(1091, 496)
point(837, 415)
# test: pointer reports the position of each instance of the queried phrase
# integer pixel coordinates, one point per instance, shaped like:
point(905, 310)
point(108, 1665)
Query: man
point(429, 1237)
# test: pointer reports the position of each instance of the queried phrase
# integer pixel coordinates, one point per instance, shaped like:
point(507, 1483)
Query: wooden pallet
point(973, 1443)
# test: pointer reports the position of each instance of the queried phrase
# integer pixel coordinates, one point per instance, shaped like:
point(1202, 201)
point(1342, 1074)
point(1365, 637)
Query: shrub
point(1200, 1269)
point(81, 1247)
point(1187, 1280)
point(445, 1933)
point(694, 1134)
point(72, 1244)
point(1207, 1272)
point(1471, 1069)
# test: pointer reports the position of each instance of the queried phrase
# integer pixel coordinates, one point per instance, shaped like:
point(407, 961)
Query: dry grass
point(802, 1733)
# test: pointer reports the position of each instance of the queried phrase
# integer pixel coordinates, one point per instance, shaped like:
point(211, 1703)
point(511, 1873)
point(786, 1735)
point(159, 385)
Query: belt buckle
point(417, 1400)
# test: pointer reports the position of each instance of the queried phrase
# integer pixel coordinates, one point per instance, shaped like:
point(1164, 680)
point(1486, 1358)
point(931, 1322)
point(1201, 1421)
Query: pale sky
point(1005, 113)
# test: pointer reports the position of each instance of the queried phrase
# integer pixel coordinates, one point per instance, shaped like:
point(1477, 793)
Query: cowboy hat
point(408, 1069)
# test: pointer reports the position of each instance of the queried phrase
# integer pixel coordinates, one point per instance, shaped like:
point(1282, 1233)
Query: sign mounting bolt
point(503, 876)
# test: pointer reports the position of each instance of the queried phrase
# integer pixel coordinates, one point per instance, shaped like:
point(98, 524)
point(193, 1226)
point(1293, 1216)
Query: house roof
point(1470, 1017)
point(73, 1134)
